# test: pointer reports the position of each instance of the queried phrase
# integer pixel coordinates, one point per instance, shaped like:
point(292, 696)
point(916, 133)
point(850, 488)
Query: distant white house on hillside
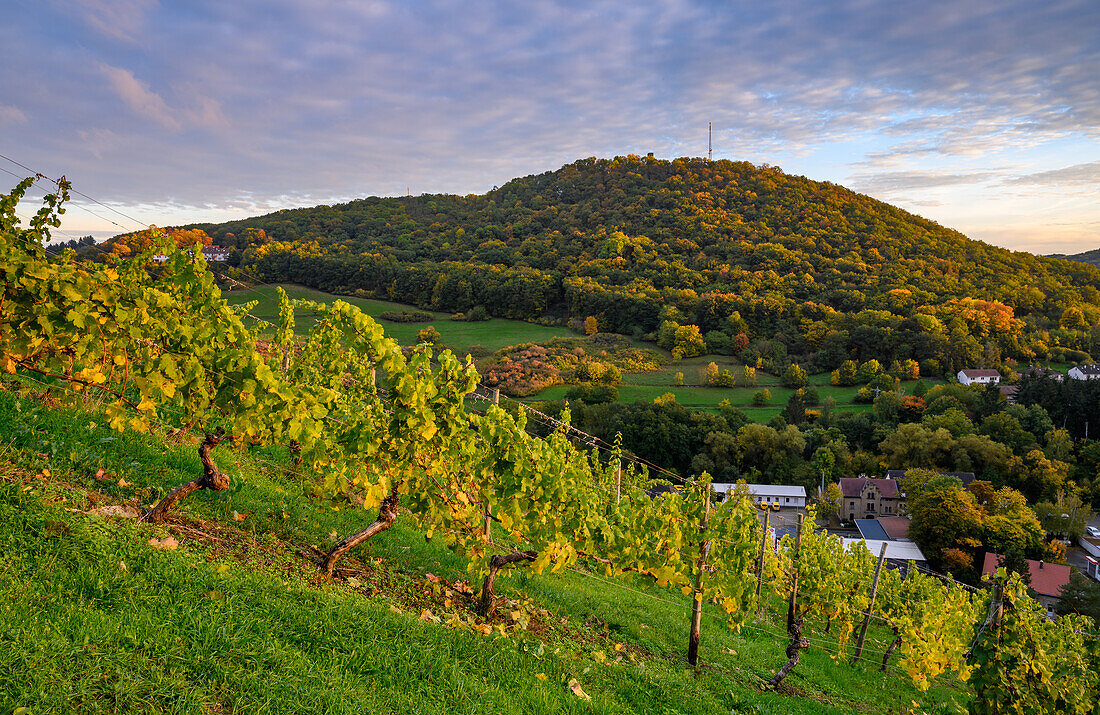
point(979, 377)
point(212, 254)
point(1085, 372)
point(770, 494)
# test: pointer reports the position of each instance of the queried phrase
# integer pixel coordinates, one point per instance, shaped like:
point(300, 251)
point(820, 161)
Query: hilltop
point(728, 247)
point(1090, 257)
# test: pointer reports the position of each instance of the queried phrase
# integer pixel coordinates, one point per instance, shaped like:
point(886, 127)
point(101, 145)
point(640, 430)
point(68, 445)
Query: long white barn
point(771, 494)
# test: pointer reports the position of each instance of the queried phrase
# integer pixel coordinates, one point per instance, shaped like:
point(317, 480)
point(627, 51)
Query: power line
point(75, 205)
point(79, 193)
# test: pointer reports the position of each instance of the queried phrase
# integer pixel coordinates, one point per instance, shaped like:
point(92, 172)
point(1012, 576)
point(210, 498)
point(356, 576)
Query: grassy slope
point(236, 619)
point(457, 335)
point(498, 333)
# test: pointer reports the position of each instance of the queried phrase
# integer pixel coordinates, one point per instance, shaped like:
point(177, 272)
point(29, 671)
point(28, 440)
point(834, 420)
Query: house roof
point(1047, 579)
point(852, 487)
point(897, 550)
point(897, 527)
point(871, 529)
point(1089, 369)
point(764, 490)
point(964, 477)
point(979, 372)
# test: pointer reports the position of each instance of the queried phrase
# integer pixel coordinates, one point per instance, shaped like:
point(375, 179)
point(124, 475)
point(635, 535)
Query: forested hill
point(1091, 257)
point(726, 246)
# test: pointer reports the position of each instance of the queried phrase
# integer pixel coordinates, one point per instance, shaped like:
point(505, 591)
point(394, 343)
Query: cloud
point(892, 182)
point(138, 97)
point(248, 102)
point(119, 19)
point(1071, 175)
point(11, 115)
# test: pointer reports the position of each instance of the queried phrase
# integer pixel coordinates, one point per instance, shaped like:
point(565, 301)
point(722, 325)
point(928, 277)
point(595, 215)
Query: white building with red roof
point(979, 377)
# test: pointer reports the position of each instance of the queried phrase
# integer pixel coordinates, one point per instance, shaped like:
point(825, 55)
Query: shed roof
point(871, 529)
point(764, 490)
point(898, 550)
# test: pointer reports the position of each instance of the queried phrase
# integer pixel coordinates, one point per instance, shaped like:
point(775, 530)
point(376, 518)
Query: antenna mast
point(710, 130)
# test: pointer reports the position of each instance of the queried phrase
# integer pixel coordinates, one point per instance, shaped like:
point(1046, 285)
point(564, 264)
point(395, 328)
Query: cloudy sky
point(984, 116)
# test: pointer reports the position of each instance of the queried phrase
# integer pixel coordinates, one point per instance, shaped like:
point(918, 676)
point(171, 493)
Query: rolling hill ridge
point(728, 247)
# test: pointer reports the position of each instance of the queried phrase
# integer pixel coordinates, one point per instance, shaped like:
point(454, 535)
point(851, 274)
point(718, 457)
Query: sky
point(983, 116)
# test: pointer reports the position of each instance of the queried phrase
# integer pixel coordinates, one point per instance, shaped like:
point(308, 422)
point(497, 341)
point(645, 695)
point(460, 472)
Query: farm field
point(101, 613)
point(458, 336)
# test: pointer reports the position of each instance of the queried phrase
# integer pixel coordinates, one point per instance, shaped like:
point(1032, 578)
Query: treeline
point(727, 247)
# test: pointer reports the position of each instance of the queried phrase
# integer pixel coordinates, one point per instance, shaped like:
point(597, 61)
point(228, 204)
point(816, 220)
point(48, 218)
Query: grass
point(94, 618)
point(647, 386)
point(457, 335)
point(499, 333)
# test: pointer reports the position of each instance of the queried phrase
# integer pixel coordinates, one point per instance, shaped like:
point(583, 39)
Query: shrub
point(591, 394)
point(761, 397)
point(407, 316)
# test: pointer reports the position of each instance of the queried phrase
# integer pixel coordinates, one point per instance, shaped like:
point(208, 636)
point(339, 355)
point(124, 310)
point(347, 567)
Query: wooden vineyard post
point(488, 516)
point(697, 601)
point(870, 606)
point(760, 560)
point(618, 480)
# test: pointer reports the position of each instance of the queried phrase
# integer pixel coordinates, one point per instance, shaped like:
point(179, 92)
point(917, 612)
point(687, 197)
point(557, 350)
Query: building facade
point(869, 498)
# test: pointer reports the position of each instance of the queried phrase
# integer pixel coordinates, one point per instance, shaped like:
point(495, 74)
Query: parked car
point(1092, 531)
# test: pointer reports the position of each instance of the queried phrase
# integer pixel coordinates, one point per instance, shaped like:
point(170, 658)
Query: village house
point(869, 498)
point(1047, 579)
point(212, 254)
point(1085, 372)
point(215, 254)
point(979, 377)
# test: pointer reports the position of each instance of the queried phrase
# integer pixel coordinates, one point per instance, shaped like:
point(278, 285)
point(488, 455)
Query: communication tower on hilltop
point(710, 132)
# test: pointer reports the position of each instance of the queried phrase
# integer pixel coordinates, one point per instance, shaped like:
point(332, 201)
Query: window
point(788, 500)
point(870, 506)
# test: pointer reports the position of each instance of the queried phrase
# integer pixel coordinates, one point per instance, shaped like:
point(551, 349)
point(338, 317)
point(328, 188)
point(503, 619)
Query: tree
point(945, 516)
point(689, 342)
point(761, 397)
point(1011, 526)
point(868, 370)
point(1081, 596)
point(591, 325)
point(795, 411)
point(829, 504)
point(429, 335)
point(1073, 319)
point(794, 377)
